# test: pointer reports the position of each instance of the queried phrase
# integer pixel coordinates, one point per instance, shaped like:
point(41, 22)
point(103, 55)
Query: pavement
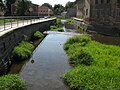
point(8, 27)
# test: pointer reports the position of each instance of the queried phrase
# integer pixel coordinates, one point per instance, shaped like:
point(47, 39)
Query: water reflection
point(50, 63)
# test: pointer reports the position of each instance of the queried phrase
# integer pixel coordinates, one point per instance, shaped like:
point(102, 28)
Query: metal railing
point(17, 21)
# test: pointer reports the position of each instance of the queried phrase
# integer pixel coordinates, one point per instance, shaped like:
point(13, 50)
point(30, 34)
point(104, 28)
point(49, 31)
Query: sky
point(52, 2)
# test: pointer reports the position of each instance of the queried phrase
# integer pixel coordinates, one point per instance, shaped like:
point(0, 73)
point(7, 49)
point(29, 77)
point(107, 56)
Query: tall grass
point(22, 51)
point(55, 28)
point(97, 65)
point(12, 82)
point(37, 35)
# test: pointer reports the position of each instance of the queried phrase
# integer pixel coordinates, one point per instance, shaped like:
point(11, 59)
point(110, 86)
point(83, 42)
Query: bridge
point(11, 33)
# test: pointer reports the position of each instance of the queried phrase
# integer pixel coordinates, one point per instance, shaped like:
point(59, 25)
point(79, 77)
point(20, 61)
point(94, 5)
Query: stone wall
point(10, 40)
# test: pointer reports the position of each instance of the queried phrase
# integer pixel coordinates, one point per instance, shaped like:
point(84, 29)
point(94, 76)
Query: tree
point(69, 5)
point(1, 5)
point(8, 4)
point(58, 9)
point(48, 5)
point(23, 7)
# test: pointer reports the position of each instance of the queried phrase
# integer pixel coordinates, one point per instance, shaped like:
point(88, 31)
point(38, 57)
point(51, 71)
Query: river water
point(48, 63)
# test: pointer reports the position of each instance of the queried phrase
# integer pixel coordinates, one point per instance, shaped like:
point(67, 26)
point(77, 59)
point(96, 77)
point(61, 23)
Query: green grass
point(55, 28)
point(7, 20)
point(37, 35)
point(22, 51)
point(97, 65)
point(70, 21)
point(58, 22)
point(93, 78)
point(12, 82)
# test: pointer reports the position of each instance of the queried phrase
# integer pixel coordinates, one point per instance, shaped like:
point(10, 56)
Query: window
point(102, 1)
point(118, 12)
point(86, 11)
point(108, 1)
point(118, 3)
point(96, 1)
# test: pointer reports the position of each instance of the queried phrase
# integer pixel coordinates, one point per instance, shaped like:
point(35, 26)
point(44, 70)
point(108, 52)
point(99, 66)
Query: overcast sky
point(52, 2)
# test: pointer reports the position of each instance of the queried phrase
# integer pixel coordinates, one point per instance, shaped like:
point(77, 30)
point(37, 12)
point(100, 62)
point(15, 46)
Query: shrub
point(38, 35)
point(12, 82)
point(93, 78)
point(83, 40)
point(80, 57)
point(58, 21)
point(52, 27)
point(70, 21)
point(103, 72)
point(79, 28)
point(22, 51)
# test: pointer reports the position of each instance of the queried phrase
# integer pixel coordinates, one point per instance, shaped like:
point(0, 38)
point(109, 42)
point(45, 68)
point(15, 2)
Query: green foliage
point(79, 28)
point(58, 29)
point(58, 21)
point(38, 35)
point(22, 7)
point(47, 5)
point(93, 78)
point(22, 51)
point(70, 21)
point(7, 20)
point(83, 40)
point(98, 65)
point(69, 5)
point(52, 27)
point(58, 9)
point(12, 82)
point(78, 55)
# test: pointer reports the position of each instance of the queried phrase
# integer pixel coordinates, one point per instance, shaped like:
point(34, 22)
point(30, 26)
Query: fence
point(17, 21)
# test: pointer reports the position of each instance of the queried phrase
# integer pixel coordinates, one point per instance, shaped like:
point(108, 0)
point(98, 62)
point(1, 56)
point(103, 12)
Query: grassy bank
point(97, 66)
point(12, 82)
point(25, 48)
point(55, 28)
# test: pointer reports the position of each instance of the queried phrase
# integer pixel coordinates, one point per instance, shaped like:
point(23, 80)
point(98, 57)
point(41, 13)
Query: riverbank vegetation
point(96, 65)
point(70, 21)
point(25, 48)
point(37, 35)
point(12, 82)
point(54, 28)
point(22, 51)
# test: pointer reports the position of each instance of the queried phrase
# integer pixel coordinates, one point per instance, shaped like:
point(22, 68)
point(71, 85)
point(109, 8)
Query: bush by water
point(22, 51)
point(97, 66)
point(12, 82)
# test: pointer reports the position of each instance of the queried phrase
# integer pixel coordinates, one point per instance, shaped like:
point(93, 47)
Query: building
point(34, 9)
point(71, 12)
point(106, 12)
point(83, 9)
point(44, 11)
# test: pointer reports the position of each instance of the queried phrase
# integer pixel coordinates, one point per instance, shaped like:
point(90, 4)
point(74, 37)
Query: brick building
point(104, 15)
point(34, 9)
point(83, 9)
point(44, 11)
point(106, 12)
point(71, 12)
